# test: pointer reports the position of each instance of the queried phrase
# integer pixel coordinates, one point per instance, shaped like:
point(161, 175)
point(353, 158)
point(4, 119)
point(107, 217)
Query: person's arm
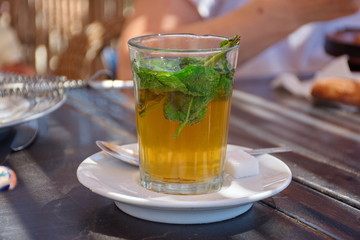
point(260, 23)
point(149, 17)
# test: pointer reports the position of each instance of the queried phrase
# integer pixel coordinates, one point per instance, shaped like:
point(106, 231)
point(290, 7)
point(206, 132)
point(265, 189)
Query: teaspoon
point(129, 153)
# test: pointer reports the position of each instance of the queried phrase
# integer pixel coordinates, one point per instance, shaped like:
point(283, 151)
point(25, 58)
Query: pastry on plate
point(342, 90)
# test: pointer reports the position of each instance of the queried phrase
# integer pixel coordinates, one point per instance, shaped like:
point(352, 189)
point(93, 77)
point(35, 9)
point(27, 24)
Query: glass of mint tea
point(183, 87)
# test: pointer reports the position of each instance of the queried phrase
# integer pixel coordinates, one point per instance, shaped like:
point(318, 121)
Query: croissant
point(341, 90)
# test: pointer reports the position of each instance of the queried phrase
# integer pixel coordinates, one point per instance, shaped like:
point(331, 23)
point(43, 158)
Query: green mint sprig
point(212, 60)
point(186, 93)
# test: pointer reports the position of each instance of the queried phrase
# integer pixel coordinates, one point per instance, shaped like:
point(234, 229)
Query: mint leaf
point(225, 84)
point(184, 62)
point(159, 82)
point(199, 80)
point(186, 109)
point(160, 64)
point(149, 101)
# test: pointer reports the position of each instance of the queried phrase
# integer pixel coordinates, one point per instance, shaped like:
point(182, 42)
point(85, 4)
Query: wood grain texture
point(322, 201)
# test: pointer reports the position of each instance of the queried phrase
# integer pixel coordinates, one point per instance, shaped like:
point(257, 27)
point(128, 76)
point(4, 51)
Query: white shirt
point(301, 52)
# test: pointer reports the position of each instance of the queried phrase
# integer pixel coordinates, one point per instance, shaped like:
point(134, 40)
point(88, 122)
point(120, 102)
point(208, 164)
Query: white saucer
point(119, 181)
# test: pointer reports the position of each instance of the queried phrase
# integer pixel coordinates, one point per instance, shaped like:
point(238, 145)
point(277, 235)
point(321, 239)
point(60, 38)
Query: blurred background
point(63, 37)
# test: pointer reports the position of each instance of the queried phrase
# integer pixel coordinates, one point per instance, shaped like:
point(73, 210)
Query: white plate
point(119, 181)
point(16, 109)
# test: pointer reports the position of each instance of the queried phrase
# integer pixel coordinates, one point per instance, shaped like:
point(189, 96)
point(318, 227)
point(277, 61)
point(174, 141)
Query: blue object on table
point(8, 178)
point(109, 58)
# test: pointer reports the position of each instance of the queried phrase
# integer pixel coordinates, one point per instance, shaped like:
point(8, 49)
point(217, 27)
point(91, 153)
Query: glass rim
point(132, 42)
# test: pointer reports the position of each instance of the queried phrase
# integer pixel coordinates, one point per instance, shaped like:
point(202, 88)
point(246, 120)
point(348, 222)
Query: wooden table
point(322, 201)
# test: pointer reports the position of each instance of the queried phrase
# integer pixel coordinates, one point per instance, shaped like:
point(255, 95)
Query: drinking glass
point(183, 87)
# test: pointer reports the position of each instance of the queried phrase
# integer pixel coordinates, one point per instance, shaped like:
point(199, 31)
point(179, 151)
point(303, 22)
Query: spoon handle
point(260, 151)
point(129, 153)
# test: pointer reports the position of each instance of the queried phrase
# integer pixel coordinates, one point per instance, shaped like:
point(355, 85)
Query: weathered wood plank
point(326, 149)
point(321, 212)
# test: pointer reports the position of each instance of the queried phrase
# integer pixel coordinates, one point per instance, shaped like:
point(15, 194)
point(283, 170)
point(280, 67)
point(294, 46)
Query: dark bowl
point(345, 42)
